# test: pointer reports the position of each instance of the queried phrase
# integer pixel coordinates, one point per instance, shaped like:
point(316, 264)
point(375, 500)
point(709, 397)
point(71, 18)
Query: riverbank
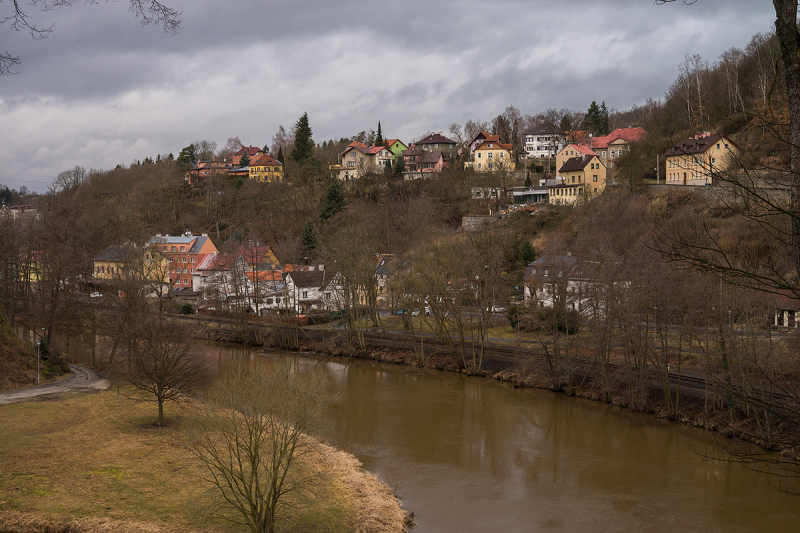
point(697, 407)
point(96, 463)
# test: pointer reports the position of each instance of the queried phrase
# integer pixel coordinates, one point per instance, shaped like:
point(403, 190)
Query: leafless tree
point(162, 362)
point(254, 438)
point(145, 11)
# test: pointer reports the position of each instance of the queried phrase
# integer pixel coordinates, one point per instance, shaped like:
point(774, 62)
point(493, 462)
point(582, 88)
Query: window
point(174, 249)
point(612, 154)
point(717, 146)
point(479, 155)
point(184, 271)
point(713, 160)
point(193, 271)
point(489, 155)
point(479, 166)
point(269, 301)
point(490, 145)
point(305, 294)
point(490, 166)
point(594, 178)
point(501, 154)
point(183, 259)
point(183, 248)
point(192, 259)
point(573, 179)
point(604, 155)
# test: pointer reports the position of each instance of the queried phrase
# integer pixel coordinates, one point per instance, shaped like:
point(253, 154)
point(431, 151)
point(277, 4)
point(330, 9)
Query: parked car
point(498, 309)
point(95, 295)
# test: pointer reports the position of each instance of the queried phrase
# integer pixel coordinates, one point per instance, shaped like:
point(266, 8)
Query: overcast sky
point(101, 90)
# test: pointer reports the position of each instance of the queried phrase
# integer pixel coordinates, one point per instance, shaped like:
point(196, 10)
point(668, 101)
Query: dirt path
point(82, 380)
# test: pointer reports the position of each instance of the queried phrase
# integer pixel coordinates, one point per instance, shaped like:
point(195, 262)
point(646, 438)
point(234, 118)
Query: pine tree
point(280, 155)
point(334, 201)
point(593, 118)
point(187, 158)
point(399, 164)
point(244, 161)
point(379, 140)
point(604, 128)
point(307, 247)
point(303, 143)
point(528, 182)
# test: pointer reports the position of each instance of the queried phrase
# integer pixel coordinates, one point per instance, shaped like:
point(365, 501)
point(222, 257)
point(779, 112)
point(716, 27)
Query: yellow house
point(359, 159)
point(266, 169)
point(492, 156)
point(118, 262)
point(572, 150)
point(697, 160)
point(578, 180)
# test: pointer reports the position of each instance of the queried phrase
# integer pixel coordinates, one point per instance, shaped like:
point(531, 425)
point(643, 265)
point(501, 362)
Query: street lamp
point(38, 357)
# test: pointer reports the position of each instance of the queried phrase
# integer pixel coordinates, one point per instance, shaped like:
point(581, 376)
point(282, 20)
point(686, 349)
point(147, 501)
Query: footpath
point(82, 380)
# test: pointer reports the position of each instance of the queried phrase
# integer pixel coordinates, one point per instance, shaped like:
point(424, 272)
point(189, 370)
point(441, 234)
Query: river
point(474, 455)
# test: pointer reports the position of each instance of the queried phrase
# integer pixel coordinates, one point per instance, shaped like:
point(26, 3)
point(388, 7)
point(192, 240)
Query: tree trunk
point(789, 39)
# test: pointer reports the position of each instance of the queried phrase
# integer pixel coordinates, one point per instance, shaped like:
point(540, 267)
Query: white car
point(95, 295)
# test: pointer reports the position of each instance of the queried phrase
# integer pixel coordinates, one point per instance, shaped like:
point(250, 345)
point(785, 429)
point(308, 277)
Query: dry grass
point(85, 463)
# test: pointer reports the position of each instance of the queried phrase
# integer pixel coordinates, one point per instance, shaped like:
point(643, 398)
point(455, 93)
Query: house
point(697, 160)
point(309, 290)
point(578, 180)
point(479, 138)
point(492, 156)
point(437, 141)
point(359, 159)
point(787, 311)
point(532, 195)
point(420, 163)
point(567, 282)
point(265, 169)
point(184, 253)
point(396, 146)
point(615, 144)
point(253, 152)
point(383, 274)
point(572, 150)
point(205, 169)
point(112, 262)
point(542, 141)
point(241, 172)
point(147, 265)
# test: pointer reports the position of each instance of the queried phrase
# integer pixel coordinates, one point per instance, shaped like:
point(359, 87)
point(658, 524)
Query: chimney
point(205, 234)
point(158, 235)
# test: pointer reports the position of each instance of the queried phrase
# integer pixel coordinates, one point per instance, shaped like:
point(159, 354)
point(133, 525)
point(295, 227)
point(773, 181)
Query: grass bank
point(97, 463)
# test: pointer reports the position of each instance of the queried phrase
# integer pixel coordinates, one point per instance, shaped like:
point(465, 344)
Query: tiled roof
point(576, 163)
point(626, 134)
point(251, 150)
point(543, 130)
point(694, 145)
point(580, 148)
point(265, 161)
point(308, 278)
point(550, 267)
point(436, 138)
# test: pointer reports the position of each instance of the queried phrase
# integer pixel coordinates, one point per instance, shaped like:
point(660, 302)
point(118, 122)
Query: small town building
point(700, 159)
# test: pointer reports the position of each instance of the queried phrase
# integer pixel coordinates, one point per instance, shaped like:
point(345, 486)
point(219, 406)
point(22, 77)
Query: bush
point(187, 309)
point(559, 319)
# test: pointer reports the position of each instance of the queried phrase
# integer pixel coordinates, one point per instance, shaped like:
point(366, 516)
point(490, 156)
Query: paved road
point(82, 380)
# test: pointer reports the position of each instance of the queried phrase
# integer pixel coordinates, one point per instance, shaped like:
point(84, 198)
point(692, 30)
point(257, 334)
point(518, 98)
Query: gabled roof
point(308, 278)
point(577, 136)
point(377, 149)
point(265, 161)
point(580, 148)
point(251, 150)
point(482, 135)
point(355, 145)
point(390, 142)
point(425, 156)
point(626, 134)
point(436, 138)
point(485, 145)
point(197, 242)
point(576, 163)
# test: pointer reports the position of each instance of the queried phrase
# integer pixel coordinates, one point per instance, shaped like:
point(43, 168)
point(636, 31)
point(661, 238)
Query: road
point(82, 380)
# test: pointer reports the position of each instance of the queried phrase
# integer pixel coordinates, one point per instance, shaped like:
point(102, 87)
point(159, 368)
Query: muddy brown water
point(474, 455)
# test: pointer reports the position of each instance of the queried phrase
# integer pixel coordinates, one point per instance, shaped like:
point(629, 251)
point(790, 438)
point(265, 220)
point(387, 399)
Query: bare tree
point(145, 11)
point(162, 363)
point(254, 438)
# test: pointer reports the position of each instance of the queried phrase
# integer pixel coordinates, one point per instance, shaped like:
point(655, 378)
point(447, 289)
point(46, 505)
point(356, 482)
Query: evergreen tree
point(399, 164)
point(604, 128)
point(244, 161)
point(334, 201)
point(528, 182)
point(307, 247)
point(593, 118)
point(187, 158)
point(379, 140)
point(303, 143)
point(266, 149)
point(566, 124)
point(280, 154)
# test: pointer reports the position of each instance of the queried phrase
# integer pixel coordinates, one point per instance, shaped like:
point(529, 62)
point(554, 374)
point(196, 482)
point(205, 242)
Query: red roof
point(265, 161)
point(583, 149)
point(626, 134)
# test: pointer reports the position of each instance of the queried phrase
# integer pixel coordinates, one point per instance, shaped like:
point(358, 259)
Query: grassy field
point(90, 457)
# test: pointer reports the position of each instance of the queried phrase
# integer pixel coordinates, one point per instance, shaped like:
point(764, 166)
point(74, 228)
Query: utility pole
point(658, 171)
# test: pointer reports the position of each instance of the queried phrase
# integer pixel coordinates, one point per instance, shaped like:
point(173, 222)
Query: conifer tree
point(187, 157)
point(244, 161)
point(307, 247)
point(303, 143)
point(334, 201)
point(280, 155)
point(379, 140)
